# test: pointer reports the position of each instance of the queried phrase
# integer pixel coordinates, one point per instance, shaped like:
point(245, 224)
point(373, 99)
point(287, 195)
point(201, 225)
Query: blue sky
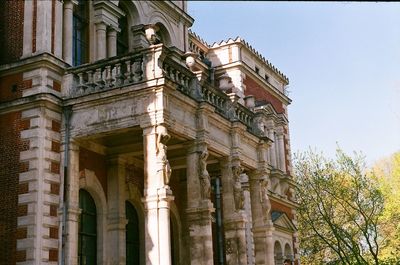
point(342, 59)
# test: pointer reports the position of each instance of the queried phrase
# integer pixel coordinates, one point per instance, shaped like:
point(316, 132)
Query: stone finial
point(190, 59)
point(225, 82)
point(151, 34)
point(250, 102)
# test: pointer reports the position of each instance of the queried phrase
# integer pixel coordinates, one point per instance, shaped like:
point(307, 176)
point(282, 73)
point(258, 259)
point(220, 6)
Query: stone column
point(72, 206)
point(259, 232)
point(270, 242)
point(68, 30)
point(281, 149)
point(199, 206)
point(101, 40)
point(234, 216)
point(116, 211)
point(272, 152)
point(111, 42)
point(157, 196)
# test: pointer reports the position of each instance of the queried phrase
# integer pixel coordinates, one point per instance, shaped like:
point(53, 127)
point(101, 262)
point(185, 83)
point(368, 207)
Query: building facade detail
point(127, 139)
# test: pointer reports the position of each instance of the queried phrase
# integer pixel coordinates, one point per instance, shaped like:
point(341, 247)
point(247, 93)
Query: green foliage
point(387, 173)
point(340, 209)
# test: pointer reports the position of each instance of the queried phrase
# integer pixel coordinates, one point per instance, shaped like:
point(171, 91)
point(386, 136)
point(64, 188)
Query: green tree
point(387, 173)
point(340, 207)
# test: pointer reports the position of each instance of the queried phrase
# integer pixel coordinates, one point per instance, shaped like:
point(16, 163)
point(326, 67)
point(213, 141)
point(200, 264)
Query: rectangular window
point(80, 34)
point(257, 70)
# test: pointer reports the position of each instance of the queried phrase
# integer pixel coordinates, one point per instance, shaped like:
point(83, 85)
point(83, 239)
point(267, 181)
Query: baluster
point(90, 81)
point(109, 78)
point(128, 73)
point(81, 85)
point(137, 70)
point(119, 77)
point(98, 78)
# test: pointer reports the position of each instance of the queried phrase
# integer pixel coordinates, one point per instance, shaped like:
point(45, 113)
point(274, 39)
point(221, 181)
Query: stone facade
point(127, 139)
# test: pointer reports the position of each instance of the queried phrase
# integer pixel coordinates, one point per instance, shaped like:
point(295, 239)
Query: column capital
point(112, 31)
point(101, 25)
point(69, 4)
point(279, 130)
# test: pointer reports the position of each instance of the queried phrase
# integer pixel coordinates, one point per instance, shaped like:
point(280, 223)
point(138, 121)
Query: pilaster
point(116, 211)
point(70, 208)
point(39, 187)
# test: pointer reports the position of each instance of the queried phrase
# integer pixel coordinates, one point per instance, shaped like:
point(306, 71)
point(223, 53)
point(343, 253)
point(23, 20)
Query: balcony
point(147, 66)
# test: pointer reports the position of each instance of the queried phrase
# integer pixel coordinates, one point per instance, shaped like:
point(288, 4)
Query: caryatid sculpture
point(238, 194)
point(161, 144)
point(204, 176)
point(264, 199)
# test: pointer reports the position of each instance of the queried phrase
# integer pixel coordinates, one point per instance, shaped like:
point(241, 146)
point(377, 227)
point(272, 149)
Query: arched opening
point(123, 35)
point(163, 34)
point(87, 235)
point(132, 235)
point(80, 33)
point(288, 252)
point(278, 253)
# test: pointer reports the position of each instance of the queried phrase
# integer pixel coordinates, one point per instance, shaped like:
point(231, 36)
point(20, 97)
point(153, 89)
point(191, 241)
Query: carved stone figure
point(264, 199)
point(204, 176)
point(161, 144)
point(237, 188)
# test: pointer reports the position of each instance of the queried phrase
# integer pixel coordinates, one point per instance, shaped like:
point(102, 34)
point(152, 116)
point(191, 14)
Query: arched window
point(87, 235)
point(80, 41)
point(163, 34)
point(278, 253)
point(123, 35)
point(132, 235)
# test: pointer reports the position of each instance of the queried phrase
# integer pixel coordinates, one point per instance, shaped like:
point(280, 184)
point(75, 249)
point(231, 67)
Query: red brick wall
point(252, 88)
point(96, 163)
point(11, 30)
point(11, 86)
point(276, 206)
point(10, 147)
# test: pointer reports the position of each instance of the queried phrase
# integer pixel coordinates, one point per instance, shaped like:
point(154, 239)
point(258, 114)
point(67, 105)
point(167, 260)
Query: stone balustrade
point(176, 73)
point(131, 69)
point(215, 97)
point(244, 115)
point(106, 74)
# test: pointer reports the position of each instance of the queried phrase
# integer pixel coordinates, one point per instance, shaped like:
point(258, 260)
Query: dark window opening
point(217, 226)
point(87, 235)
point(80, 42)
point(132, 235)
point(123, 36)
point(257, 70)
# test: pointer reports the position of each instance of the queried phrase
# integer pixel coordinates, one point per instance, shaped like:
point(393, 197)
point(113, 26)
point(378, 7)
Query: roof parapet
point(254, 51)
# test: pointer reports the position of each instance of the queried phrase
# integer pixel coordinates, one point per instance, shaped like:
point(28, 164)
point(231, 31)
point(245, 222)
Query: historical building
point(126, 139)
